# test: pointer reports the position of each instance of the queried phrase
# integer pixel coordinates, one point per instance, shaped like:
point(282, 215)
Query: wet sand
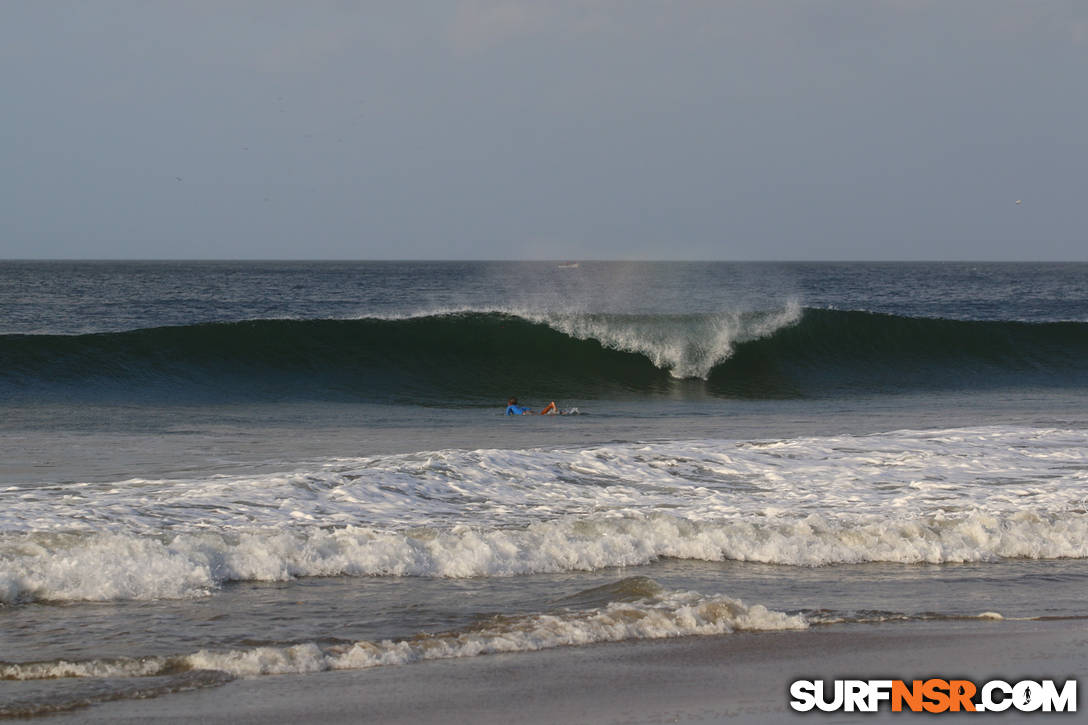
point(735, 678)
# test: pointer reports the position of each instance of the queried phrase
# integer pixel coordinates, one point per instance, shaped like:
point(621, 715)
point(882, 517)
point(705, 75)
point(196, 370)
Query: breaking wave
point(102, 567)
point(638, 608)
point(465, 358)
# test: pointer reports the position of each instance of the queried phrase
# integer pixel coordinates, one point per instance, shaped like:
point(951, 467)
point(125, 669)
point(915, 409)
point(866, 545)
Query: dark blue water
point(467, 334)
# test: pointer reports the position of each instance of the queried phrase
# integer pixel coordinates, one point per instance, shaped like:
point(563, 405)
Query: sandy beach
point(732, 678)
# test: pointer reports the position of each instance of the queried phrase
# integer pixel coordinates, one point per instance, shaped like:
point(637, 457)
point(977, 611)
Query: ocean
point(221, 470)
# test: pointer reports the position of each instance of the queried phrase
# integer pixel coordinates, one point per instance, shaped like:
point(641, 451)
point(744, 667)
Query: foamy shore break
point(741, 677)
point(979, 494)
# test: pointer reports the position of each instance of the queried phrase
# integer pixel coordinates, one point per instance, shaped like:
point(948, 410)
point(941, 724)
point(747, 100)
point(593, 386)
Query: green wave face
point(480, 358)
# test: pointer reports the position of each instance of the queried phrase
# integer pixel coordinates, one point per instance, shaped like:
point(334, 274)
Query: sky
point(525, 129)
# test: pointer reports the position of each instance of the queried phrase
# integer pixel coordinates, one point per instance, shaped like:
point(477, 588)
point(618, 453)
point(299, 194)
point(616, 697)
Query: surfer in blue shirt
point(512, 408)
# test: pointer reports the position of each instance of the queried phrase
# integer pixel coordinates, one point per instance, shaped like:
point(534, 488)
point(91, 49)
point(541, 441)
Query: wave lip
point(686, 346)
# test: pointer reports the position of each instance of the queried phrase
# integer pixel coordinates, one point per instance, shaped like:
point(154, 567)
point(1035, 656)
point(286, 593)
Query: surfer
point(512, 408)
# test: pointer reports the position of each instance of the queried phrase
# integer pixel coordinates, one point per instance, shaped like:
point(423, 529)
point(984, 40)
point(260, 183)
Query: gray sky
point(608, 129)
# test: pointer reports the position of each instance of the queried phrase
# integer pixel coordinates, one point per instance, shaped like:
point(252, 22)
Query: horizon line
point(557, 260)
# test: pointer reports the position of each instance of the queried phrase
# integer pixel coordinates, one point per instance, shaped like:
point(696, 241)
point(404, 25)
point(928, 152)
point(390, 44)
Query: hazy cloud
point(513, 128)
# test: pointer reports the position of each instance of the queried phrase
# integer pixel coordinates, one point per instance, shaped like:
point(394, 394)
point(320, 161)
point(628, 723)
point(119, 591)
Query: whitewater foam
point(103, 567)
point(960, 495)
point(994, 469)
point(664, 614)
point(685, 345)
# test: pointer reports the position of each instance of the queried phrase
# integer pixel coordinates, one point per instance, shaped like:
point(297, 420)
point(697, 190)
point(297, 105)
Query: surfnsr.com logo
point(933, 695)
